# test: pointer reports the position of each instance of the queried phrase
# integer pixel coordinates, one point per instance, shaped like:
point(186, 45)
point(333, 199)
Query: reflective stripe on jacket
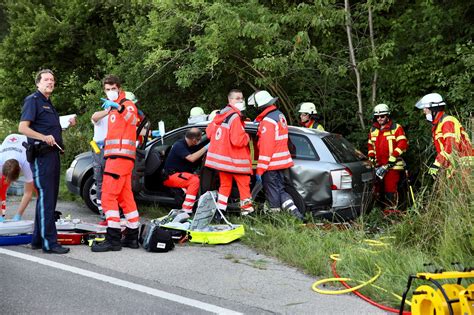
point(448, 134)
point(312, 124)
point(229, 150)
point(272, 141)
point(122, 127)
point(387, 141)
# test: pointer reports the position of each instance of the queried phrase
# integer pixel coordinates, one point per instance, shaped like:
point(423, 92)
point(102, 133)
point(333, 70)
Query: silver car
point(330, 178)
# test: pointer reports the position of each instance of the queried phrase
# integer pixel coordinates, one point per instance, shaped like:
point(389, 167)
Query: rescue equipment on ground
point(76, 232)
point(201, 230)
point(8, 227)
point(441, 299)
point(19, 239)
point(374, 246)
point(15, 232)
point(78, 225)
point(153, 238)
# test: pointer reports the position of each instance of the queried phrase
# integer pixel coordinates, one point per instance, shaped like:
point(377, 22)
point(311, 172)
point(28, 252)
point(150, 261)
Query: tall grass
point(439, 230)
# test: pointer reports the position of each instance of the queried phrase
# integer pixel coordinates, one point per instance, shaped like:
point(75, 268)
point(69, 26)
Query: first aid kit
point(15, 232)
point(200, 229)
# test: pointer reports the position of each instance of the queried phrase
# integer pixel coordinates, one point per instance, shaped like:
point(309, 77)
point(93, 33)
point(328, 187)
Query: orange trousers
point(225, 188)
point(117, 191)
point(188, 181)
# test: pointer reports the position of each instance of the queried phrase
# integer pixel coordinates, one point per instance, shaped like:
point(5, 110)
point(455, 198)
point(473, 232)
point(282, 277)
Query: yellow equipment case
point(200, 229)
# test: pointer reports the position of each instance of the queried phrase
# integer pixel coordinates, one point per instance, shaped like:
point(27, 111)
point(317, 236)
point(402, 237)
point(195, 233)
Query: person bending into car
point(229, 152)
point(119, 154)
point(180, 165)
point(274, 156)
point(387, 142)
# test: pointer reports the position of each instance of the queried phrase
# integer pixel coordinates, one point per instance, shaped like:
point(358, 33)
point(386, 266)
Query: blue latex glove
point(155, 133)
point(109, 103)
point(17, 217)
point(207, 146)
point(1, 218)
point(258, 179)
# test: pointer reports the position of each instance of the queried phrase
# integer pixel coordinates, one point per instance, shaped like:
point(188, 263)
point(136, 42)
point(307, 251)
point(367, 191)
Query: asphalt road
point(191, 279)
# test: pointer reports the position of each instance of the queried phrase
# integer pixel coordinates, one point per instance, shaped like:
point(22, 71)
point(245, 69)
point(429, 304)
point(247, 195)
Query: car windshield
point(342, 150)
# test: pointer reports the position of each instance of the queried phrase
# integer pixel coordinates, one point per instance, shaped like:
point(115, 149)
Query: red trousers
point(117, 191)
point(188, 181)
point(390, 181)
point(225, 188)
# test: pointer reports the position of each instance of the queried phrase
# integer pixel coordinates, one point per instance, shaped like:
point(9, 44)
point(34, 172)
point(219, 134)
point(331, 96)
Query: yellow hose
point(334, 292)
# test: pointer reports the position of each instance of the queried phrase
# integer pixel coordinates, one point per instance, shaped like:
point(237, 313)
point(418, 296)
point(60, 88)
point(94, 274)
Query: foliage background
point(178, 54)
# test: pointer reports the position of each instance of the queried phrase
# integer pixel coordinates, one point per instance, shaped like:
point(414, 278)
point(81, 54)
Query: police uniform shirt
point(176, 160)
point(43, 116)
point(12, 148)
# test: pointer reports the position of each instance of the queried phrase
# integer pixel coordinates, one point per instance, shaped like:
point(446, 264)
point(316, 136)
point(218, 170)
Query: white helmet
point(430, 100)
point(381, 109)
point(212, 115)
point(130, 96)
point(308, 108)
point(196, 111)
point(261, 99)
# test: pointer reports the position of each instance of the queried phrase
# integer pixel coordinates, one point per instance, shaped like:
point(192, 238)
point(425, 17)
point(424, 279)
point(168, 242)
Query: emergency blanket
point(200, 229)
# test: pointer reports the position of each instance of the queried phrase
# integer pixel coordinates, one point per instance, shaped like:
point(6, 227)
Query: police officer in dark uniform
point(40, 123)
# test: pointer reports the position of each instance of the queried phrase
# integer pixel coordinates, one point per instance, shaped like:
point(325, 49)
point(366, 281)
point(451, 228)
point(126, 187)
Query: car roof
point(249, 125)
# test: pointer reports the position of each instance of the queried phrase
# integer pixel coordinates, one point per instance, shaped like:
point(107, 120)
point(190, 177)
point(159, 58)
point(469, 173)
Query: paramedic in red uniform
point(387, 142)
point(181, 163)
point(229, 152)
point(274, 157)
point(119, 154)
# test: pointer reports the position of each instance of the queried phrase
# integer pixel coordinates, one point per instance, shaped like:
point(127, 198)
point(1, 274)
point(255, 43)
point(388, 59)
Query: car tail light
point(341, 179)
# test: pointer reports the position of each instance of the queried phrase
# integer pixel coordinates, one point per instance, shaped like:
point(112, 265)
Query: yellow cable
point(334, 292)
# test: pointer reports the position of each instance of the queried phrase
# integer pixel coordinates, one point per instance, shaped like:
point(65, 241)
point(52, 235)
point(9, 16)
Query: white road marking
point(122, 283)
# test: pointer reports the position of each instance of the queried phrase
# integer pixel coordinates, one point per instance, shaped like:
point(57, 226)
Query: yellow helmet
point(196, 111)
point(130, 96)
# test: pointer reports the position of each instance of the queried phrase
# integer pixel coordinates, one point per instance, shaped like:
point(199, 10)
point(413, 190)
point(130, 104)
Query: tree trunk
point(353, 62)
point(372, 44)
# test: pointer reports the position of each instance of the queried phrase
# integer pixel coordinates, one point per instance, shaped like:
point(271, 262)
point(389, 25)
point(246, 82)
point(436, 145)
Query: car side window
point(301, 148)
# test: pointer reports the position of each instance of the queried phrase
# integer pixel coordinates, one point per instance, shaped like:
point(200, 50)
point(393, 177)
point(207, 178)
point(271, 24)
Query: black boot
point(131, 238)
point(111, 243)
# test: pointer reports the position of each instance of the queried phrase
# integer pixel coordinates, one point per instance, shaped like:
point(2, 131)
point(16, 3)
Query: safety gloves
point(373, 160)
point(17, 217)
point(391, 161)
point(108, 103)
point(258, 179)
point(433, 170)
point(381, 171)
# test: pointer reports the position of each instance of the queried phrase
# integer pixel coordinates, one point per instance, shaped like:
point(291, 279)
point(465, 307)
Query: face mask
point(112, 95)
point(240, 106)
point(429, 117)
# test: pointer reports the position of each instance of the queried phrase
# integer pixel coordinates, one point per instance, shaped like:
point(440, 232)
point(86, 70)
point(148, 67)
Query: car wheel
point(297, 198)
point(89, 194)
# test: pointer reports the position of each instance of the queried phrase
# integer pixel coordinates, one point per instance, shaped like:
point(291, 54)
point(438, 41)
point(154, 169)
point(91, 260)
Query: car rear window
point(342, 150)
point(301, 148)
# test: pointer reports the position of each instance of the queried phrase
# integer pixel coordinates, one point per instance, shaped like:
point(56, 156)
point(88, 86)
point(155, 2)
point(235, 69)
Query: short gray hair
point(40, 73)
